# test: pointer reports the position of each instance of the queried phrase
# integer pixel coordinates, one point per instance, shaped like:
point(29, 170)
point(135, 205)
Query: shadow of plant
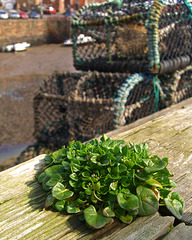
point(37, 196)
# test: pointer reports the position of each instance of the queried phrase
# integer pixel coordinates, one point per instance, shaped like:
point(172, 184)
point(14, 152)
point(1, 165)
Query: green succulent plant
point(100, 180)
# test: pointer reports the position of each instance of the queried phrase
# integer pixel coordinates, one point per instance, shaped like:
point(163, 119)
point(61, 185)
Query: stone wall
point(34, 31)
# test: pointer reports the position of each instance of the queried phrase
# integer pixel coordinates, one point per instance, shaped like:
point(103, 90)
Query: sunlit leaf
point(54, 169)
point(153, 182)
point(148, 203)
point(105, 174)
point(157, 165)
point(57, 155)
point(60, 192)
point(81, 202)
point(131, 202)
point(55, 178)
point(126, 219)
point(74, 176)
point(60, 205)
point(75, 167)
point(172, 183)
point(125, 190)
point(107, 212)
point(94, 219)
point(72, 183)
point(175, 203)
point(72, 208)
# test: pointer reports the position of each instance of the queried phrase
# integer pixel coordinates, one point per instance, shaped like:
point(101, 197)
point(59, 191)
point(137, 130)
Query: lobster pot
point(177, 86)
point(74, 106)
point(50, 108)
point(81, 106)
point(90, 108)
point(93, 109)
point(108, 38)
point(133, 36)
point(140, 102)
point(136, 98)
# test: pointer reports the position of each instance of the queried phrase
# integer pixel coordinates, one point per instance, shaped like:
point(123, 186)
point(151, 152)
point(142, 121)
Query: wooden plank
point(144, 228)
point(181, 231)
point(22, 200)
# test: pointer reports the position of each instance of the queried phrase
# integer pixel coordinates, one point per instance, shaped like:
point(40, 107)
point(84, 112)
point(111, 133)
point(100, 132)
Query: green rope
point(152, 26)
point(118, 2)
point(121, 100)
point(156, 85)
point(189, 6)
point(123, 93)
point(187, 85)
point(146, 98)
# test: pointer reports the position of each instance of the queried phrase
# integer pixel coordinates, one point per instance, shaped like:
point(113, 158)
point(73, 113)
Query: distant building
point(25, 4)
point(59, 5)
point(8, 4)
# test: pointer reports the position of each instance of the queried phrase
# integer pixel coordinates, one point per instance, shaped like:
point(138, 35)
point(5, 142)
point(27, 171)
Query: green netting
point(133, 36)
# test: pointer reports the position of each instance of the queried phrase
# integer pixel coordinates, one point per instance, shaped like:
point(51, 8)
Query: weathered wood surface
point(21, 198)
point(180, 232)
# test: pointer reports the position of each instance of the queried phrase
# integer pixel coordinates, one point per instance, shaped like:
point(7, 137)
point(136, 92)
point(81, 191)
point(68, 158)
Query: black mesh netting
point(123, 38)
point(74, 106)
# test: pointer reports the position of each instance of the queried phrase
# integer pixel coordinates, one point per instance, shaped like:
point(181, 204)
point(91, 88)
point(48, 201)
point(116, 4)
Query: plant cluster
point(104, 179)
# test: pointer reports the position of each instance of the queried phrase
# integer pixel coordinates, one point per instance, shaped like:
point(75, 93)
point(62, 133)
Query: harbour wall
point(34, 31)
